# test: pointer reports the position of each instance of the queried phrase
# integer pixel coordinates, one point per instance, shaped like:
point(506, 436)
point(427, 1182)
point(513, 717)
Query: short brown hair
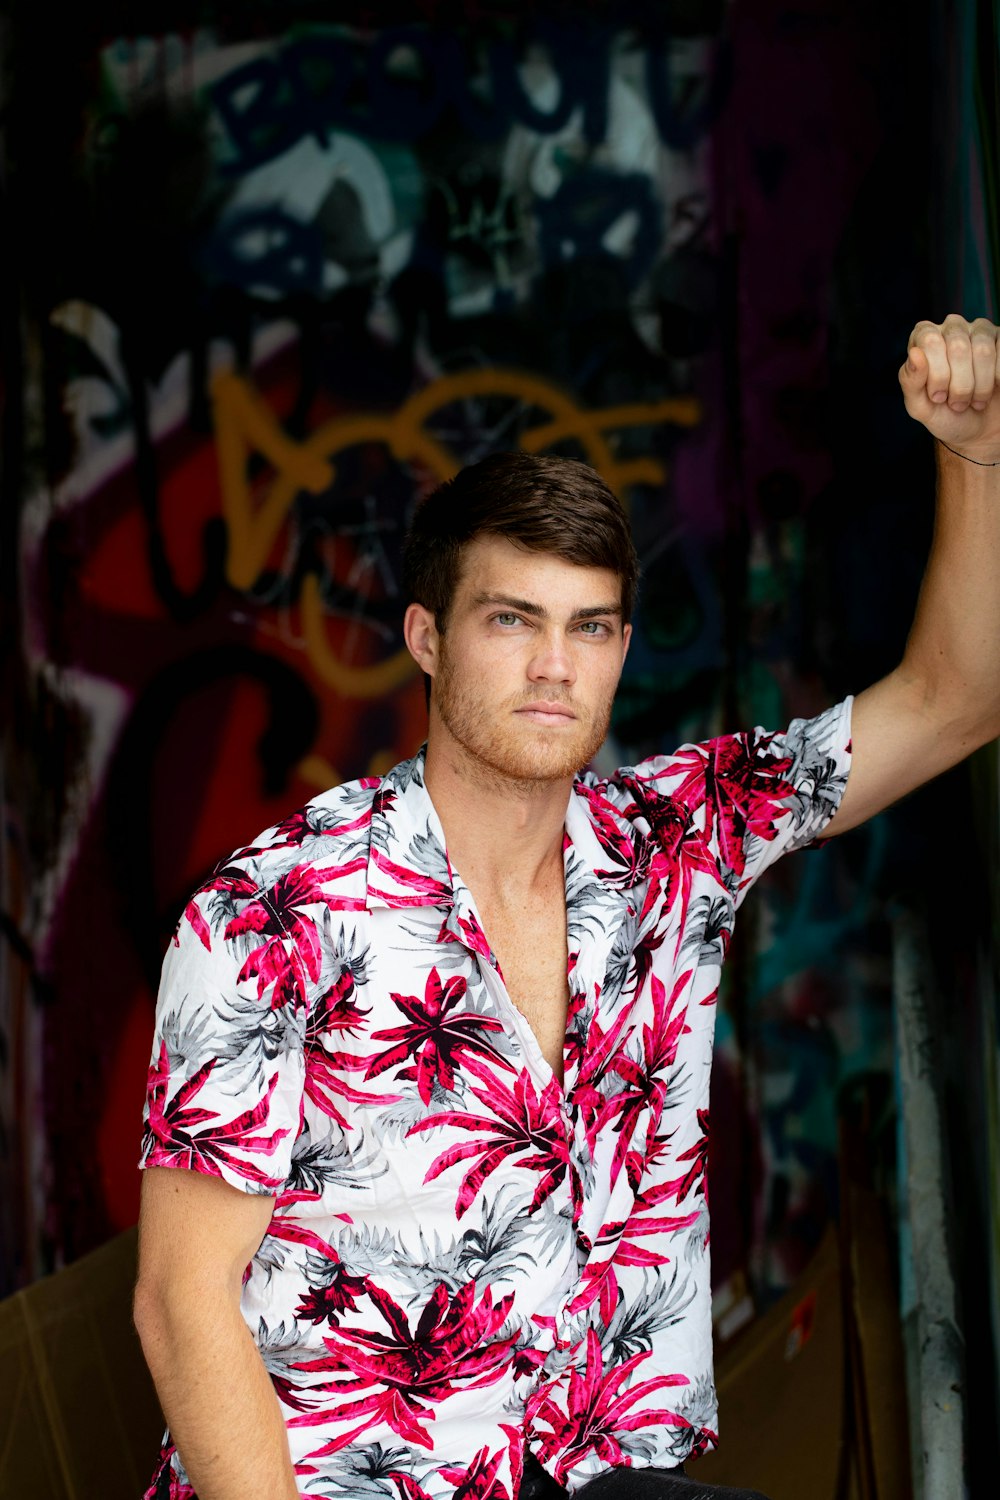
point(544, 504)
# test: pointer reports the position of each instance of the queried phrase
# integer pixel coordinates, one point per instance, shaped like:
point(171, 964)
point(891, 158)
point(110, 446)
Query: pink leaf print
point(192, 913)
point(395, 1377)
point(426, 890)
point(681, 850)
point(679, 1187)
point(337, 1010)
point(408, 1487)
point(228, 879)
point(326, 1082)
point(742, 788)
point(459, 927)
point(697, 1157)
point(177, 1489)
point(339, 1294)
point(522, 1122)
point(279, 916)
point(180, 1144)
point(630, 854)
point(437, 1038)
point(599, 1060)
point(647, 1081)
point(597, 1411)
point(479, 1481)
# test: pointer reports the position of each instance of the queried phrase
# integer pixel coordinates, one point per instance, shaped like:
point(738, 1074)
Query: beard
point(503, 747)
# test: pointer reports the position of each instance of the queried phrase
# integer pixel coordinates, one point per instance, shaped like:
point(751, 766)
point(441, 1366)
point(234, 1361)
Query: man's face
point(525, 674)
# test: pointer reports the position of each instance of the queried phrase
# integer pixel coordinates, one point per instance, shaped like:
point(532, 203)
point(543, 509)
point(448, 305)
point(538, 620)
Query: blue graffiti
point(575, 220)
point(267, 251)
point(322, 82)
point(266, 248)
point(682, 119)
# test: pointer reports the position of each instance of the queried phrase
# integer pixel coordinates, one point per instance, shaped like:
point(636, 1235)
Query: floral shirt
point(466, 1256)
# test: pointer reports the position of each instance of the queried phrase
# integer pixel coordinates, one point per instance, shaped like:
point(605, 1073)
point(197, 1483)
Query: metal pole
point(936, 1405)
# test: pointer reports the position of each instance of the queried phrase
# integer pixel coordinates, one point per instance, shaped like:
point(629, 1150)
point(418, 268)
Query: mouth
point(547, 713)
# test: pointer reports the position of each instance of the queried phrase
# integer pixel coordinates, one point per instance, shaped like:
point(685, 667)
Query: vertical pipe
point(936, 1405)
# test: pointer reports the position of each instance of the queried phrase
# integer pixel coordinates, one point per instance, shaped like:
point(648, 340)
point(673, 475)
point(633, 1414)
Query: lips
point(548, 713)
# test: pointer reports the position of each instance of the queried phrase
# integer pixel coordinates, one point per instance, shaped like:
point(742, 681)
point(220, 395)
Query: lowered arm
point(196, 1235)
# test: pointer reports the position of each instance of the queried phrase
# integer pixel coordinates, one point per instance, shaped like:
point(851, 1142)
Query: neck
point(499, 830)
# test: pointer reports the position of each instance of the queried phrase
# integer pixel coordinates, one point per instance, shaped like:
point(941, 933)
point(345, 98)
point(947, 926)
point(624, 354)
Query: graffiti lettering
point(685, 114)
point(400, 86)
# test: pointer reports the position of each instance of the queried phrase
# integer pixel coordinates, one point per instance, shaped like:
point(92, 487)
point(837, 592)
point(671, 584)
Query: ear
point(626, 641)
point(420, 633)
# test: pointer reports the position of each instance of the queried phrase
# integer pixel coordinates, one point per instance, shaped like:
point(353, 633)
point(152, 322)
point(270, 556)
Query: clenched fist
point(951, 383)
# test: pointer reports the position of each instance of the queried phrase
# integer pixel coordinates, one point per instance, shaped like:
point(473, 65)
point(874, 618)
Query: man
point(433, 1054)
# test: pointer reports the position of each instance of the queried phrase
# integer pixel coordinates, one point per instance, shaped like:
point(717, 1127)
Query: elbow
point(979, 725)
point(966, 714)
point(966, 734)
point(170, 1309)
point(149, 1315)
point(164, 1315)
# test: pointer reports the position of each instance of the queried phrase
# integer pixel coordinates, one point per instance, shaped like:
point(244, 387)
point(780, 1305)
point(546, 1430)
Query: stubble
point(498, 747)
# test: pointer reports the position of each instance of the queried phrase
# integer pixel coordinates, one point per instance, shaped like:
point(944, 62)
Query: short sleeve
point(800, 783)
point(772, 792)
point(738, 802)
point(225, 1085)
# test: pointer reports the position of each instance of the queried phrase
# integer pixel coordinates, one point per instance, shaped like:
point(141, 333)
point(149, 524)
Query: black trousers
point(628, 1484)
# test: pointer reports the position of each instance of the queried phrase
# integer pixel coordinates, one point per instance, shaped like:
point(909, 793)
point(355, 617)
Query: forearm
point(216, 1395)
point(952, 657)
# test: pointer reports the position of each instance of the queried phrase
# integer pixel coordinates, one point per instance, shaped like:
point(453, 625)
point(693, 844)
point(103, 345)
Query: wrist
point(982, 461)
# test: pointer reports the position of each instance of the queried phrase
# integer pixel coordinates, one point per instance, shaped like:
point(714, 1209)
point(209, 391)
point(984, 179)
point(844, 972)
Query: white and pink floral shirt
point(466, 1256)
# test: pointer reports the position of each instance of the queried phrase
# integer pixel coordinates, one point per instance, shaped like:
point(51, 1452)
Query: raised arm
point(196, 1237)
point(943, 700)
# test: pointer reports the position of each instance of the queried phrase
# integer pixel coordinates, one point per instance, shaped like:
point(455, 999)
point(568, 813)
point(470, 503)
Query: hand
point(950, 384)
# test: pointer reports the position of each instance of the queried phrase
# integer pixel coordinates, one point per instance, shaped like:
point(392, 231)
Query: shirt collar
point(408, 862)
point(407, 859)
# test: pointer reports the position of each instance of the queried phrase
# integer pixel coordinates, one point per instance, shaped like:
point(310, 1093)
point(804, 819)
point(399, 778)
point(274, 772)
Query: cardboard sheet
point(79, 1418)
point(781, 1385)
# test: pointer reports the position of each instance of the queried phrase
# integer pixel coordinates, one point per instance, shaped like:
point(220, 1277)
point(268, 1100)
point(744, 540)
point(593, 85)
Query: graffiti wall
point(272, 277)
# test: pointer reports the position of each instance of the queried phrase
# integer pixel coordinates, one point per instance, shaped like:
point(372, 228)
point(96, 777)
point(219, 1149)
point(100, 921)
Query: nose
point(552, 660)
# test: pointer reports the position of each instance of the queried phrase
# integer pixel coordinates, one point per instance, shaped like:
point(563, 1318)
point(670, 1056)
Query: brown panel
point(878, 1365)
point(29, 1466)
point(781, 1393)
point(84, 1420)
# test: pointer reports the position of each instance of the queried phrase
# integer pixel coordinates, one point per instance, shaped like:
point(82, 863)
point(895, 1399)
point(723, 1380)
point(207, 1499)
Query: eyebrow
point(526, 607)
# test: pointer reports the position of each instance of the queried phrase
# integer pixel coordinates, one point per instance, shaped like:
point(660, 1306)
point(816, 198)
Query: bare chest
point(529, 941)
